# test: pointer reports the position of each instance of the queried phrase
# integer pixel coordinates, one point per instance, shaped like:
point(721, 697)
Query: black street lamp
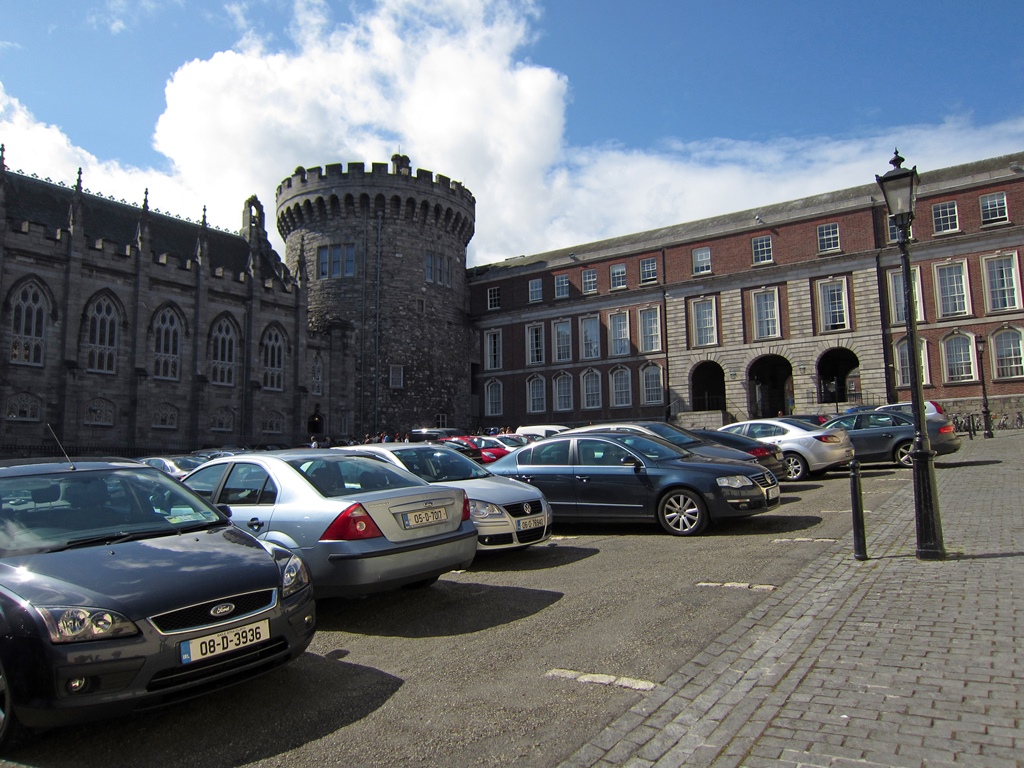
point(986, 414)
point(899, 187)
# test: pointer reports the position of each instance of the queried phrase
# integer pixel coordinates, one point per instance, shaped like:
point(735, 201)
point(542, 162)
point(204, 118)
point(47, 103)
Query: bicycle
point(1018, 423)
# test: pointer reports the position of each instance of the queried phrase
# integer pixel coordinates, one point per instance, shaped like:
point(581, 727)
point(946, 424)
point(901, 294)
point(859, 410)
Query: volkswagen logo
point(222, 609)
point(527, 509)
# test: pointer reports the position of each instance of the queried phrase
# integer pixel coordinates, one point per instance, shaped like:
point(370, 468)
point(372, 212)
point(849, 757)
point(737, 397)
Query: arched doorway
point(838, 376)
point(770, 387)
point(315, 423)
point(707, 387)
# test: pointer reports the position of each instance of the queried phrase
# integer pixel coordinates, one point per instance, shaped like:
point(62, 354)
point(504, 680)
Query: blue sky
point(569, 120)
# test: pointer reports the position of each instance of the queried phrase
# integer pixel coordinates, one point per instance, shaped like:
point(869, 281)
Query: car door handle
point(255, 524)
point(583, 478)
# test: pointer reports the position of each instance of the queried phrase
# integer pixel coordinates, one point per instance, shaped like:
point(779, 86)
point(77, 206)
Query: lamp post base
point(926, 507)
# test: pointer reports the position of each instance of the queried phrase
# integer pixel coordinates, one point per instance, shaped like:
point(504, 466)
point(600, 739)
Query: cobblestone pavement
point(892, 661)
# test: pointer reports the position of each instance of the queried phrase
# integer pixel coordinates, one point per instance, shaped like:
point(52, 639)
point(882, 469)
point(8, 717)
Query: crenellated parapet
point(312, 197)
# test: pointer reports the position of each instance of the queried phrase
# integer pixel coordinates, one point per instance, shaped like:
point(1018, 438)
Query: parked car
point(175, 466)
point(931, 408)
point(625, 477)
point(683, 438)
point(805, 448)
point(889, 435)
point(361, 525)
point(107, 608)
point(466, 445)
point(817, 419)
point(508, 514)
point(512, 441)
point(768, 456)
point(428, 434)
point(538, 431)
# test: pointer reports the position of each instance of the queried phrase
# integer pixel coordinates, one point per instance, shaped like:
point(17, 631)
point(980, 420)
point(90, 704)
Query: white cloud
point(443, 81)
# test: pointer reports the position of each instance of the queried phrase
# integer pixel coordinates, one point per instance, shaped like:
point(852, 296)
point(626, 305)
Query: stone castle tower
point(384, 256)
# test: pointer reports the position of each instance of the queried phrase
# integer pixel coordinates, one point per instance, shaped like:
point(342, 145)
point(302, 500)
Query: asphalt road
point(484, 668)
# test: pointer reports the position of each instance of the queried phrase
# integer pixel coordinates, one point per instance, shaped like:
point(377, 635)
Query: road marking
point(803, 541)
point(738, 585)
point(842, 511)
point(599, 679)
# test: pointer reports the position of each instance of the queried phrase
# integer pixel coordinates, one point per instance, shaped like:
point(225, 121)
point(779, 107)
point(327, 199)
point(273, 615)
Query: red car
point(482, 449)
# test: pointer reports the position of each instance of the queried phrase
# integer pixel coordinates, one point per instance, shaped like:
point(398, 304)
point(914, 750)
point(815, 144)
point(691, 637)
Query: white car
point(931, 408)
point(805, 448)
point(508, 514)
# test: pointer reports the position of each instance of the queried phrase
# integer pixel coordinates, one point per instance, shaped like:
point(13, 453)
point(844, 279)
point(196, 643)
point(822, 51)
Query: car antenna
point(70, 462)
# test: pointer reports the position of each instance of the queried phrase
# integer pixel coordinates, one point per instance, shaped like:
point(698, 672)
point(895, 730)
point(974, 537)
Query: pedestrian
point(313, 442)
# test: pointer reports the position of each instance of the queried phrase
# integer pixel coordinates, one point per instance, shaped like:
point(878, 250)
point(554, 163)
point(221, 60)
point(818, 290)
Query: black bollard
point(860, 547)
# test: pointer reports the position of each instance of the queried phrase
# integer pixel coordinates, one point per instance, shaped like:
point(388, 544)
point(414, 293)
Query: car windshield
point(439, 465)
point(674, 435)
point(350, 475)
point(48, 512)
point(805, 426)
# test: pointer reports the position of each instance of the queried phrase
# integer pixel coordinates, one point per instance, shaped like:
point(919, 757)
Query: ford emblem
point(222, 609)
point(428, 504)
point(527, 509)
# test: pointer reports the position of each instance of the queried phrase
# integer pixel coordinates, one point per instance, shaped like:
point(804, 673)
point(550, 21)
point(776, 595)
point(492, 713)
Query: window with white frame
point(535, 395)
point(166, 345)
point(621, 388)
point(561, 286)
point(165, 416)
point(102, 321)
point(828, 237)
point(904, 376)
point(591, 382)
point(951, 285)
point(618, 330)
point(704, 322)
point(590, 338)
point(492, 350)
point(944, 218)
point(316, 376)
point(1008, 352)
point(649, 270)
point(272, 357)
point(562, 331)
point(396, 377)
point(536, 290)
point(24, 407)
point(223, 346)
point(993, 208)
point(766, 313)
point(1002, 280)
point(762, 249)
point(833, 314)
point(894, 232)
point(701, 260)
point(652, 392)
point(534, 344)
point(493, 398)
point(590, 281)
point(897, 301)
point(29, 310)
point(494, 297)
point(958, 357)
point(650, 329)
point(617, 276)
point(563, 392)
point(99, 413)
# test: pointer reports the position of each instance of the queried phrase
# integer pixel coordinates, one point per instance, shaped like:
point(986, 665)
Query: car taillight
point(759, 452)
point(354, 523)
point(465, 507)
point(946, 428)
point(828, 438)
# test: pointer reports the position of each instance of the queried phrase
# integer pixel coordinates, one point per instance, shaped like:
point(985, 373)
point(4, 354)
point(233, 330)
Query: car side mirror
point(225, 509)
point(630, 461)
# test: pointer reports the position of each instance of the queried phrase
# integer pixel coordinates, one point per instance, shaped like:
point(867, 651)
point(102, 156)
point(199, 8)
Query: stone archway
point(707, 387)
point(838, 374)
point(769, 387)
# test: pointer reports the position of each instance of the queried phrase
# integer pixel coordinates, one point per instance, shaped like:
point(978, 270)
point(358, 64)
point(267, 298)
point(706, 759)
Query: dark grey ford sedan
point(121, 590)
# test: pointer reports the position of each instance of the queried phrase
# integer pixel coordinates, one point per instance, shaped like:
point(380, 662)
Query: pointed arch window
point(316, 379)
point(273, 423)
point(165, 416)
point(224, 343)
point(29, 309)
point(222, 420)
point(167, 345)
point(99, 413)
point(272, 355)
point(24, 407)
point(102, 320)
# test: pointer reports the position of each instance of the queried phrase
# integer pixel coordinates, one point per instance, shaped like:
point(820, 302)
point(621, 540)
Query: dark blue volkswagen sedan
point(121, 590)
point(622, 477)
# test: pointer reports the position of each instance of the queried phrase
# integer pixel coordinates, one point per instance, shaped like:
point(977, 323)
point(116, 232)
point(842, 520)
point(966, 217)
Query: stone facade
point(385, 252)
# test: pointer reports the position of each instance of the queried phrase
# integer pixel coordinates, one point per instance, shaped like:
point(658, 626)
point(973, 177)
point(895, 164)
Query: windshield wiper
point(202, 526)
point(118, 537)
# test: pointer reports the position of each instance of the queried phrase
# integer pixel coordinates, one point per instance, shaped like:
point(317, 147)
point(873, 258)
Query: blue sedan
point(622, 477)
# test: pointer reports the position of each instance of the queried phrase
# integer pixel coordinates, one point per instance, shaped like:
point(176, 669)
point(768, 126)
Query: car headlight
point(481, 509)
point(75, 624)
point(734, 481)
point(294, 576)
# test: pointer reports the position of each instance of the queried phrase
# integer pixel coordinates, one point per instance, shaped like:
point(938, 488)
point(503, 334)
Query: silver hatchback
point(806, 449)
point(361, 525)
point(508, 514)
